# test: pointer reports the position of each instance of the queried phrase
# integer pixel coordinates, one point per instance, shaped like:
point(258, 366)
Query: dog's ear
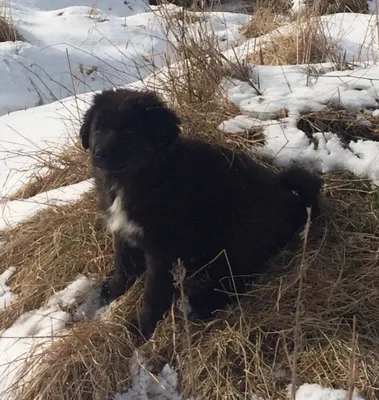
point(85, 129)
point(165, 123)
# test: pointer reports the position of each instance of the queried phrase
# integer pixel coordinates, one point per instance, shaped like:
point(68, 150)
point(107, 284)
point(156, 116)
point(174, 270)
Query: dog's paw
point(142, 327)
point(141, 333)
point(111, 290)
point(105, 294)
point(204, 305)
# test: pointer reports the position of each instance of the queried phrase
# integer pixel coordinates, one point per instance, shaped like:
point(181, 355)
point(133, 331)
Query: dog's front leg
point(129, 263)
point(158, 293)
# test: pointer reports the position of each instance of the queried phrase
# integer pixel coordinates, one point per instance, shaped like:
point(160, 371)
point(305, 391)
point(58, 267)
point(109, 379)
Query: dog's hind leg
point(217, 297)
point(129, 264)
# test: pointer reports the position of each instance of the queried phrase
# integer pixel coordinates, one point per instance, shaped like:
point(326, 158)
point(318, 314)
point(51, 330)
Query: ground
point(288, 84)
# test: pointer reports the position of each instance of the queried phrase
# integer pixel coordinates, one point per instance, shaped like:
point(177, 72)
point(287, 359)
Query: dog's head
point(126, 129)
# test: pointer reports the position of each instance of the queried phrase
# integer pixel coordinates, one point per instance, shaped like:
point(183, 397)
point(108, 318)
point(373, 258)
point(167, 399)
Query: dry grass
point(346, 125)
point(8, 31)
point(322, 7)
point(306, 45)
point(264, 20)
point(106, 343)
point(56, 169)
point(193, 85)
point(243, 349)
point(50, 250)
point(276, 6)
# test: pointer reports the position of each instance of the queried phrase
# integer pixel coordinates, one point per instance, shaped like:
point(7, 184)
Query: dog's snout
point(99, 153)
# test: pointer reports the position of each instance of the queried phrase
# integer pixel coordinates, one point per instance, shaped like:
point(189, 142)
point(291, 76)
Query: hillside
point(287, 82)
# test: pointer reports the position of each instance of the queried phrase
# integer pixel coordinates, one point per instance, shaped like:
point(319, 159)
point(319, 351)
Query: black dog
point(166, 197)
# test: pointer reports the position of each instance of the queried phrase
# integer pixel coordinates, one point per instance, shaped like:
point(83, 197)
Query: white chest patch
point(118, 221)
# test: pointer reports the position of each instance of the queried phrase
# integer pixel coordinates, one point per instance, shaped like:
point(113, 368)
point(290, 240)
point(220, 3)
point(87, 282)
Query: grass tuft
point(322, 7)
point(56, 169)
point(8, 31)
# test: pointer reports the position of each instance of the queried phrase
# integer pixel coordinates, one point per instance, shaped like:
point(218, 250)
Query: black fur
point(184, 199)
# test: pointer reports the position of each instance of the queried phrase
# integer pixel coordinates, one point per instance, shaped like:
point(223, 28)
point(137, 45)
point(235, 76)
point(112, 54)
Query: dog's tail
point(305, 184)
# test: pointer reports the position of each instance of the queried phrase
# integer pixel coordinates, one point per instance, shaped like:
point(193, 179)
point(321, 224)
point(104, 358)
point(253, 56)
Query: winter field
point(288, 81)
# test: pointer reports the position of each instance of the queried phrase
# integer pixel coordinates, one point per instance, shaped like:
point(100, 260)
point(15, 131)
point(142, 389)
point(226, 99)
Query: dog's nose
point(99, 153)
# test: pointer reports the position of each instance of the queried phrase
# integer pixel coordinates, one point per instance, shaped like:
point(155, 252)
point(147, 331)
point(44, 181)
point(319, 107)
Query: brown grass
point(346, 125)
point(194, 85)
point(306, 45)
point(8, 31)
point(247, 348)
point(50, 250)
point(56, 169)
point(322, 7)
point(106, 343)
point(276, 6)
point(264, 20)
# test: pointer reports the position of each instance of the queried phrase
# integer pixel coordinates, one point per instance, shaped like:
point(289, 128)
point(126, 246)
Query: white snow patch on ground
point(6, 295)
point(317, 392)
point(145, 385)
point(121, 50)
point(33, 332)
point(72, 48)
point(25, 134)
point(290, 88)
point(16, 211)
point(298, 6)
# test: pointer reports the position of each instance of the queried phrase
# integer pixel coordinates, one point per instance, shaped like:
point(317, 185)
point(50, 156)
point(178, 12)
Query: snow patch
point(6, 295)
point(17, 211)
point(317, 392)
point(32, 333)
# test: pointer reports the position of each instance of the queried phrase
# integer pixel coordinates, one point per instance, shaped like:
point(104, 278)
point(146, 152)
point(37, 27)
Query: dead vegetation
point(8, 31)
point(107, 344)
point(288, 38)
point(193, 85)
point(323, 7)
point(305, 43)
point(346, 125)
point(244, 349)
point(264, 20)
point(50, 251)
point(56, 169)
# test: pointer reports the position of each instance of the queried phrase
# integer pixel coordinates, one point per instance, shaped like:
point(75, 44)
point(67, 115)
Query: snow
point(17, 211)
point(147, 386)
point(33, 332)
point(75, 49)
point(67, 53)
point(25, 134)
point(290, 88)
point(317, 392)
point(6, 295)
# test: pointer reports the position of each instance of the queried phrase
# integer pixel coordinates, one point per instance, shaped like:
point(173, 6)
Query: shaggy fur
point(166, 197)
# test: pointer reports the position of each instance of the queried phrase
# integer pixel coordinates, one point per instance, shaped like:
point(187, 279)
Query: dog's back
point(204, 199)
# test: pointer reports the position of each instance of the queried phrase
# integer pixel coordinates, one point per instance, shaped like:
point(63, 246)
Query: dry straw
point(8, 31)
point(246, 348)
